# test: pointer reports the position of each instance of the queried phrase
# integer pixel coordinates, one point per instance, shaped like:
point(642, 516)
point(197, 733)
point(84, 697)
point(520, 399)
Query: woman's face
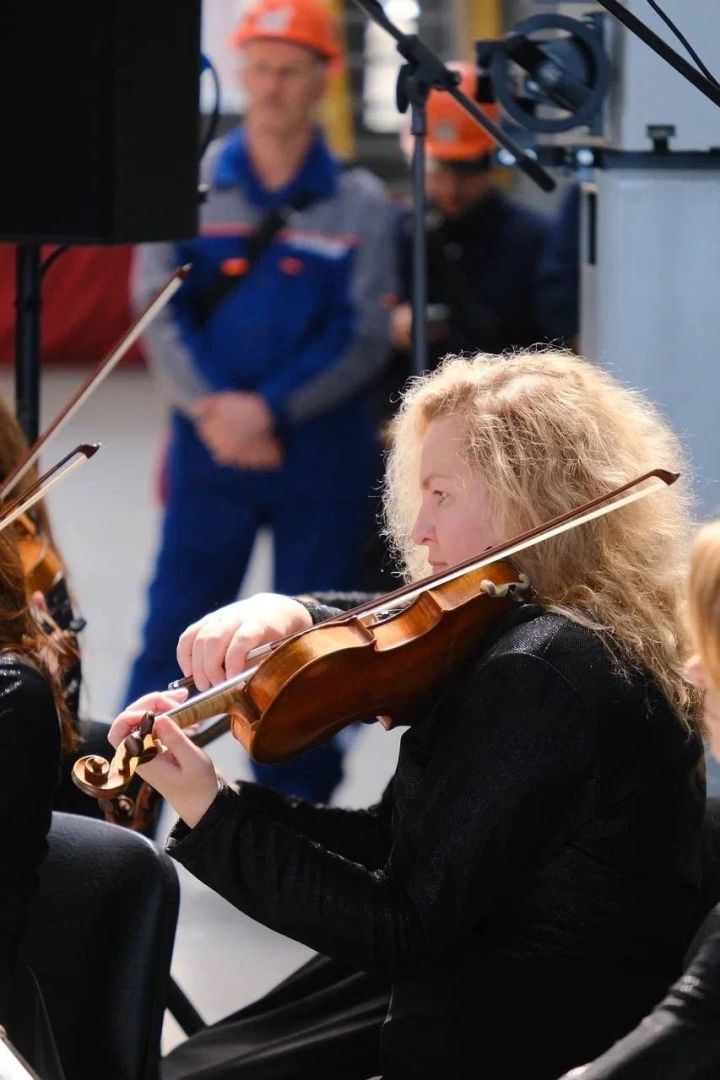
point(453, 522)
point(711, 703)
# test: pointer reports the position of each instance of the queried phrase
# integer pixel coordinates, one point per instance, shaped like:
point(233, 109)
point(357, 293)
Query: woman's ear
point(696, 672)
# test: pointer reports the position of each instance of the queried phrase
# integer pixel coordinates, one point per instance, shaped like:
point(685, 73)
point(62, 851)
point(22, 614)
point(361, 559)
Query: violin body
point(337, 673)
point(41, 562)
point(55, 618)
point(319, 681)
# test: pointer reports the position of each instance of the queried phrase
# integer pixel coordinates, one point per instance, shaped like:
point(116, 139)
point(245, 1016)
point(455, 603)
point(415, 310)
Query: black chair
point(100, 943)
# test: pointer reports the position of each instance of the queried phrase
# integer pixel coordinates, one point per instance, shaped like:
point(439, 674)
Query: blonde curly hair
point(549, 430)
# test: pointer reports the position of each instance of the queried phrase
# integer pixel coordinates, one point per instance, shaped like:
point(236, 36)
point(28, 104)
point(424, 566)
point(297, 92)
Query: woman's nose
point(422, 529)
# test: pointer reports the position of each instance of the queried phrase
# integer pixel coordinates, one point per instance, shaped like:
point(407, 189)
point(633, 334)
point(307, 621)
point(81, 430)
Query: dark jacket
point(483, 270)
point(528, 883)
point(30, 755)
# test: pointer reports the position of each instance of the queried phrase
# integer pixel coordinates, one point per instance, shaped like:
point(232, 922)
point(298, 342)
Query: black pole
point(28, 302)
point(412, 90)
point(183, 1010)
point(420, 285)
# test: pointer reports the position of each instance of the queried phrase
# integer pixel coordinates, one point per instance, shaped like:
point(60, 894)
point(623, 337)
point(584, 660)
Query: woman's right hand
point(215, 647)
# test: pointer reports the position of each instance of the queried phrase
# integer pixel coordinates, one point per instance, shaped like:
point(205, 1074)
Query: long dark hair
point(19, 632)
point(13, 447)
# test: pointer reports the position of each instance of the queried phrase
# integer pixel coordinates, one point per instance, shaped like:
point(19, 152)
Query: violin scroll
point(104, 779)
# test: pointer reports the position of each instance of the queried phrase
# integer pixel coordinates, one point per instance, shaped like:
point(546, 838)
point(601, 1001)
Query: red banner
point(85, 304)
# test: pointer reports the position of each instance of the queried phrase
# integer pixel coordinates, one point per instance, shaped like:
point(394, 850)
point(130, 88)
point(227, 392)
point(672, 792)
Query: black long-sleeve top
point(30, 756)
point(483, 268)
point(535, 856)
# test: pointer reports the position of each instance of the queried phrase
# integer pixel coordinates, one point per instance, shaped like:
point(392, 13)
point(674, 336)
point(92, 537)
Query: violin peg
point(146, 725)
point(133, 745)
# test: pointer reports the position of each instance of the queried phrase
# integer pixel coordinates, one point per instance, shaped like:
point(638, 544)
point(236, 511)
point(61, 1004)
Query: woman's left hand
point(182, 773)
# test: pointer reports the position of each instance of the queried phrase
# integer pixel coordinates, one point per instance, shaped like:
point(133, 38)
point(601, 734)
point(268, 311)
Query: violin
point(44, 574)
point(378, 659)
point(41, 562)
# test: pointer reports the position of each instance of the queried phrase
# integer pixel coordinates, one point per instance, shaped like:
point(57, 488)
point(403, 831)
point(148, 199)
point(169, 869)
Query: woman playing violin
point(528, 882)
point(34, 727)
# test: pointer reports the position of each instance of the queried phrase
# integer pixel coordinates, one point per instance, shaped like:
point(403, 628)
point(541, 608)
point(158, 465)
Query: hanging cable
point(683, 41)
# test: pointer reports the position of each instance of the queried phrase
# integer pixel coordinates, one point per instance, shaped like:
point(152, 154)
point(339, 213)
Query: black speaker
point(99, 120)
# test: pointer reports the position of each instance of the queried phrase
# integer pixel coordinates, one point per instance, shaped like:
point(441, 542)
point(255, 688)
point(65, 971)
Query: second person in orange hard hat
point(484, 248)
point(266, 356)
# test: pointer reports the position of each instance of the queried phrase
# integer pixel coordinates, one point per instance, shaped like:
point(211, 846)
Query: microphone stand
point(653, 41)
point(422, 72)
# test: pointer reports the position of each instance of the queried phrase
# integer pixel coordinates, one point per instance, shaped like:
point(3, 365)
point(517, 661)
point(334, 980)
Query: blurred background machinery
point(647, 159)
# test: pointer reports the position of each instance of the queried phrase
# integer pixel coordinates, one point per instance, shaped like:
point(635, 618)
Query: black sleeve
point(511, 751)
point(680, 1039)
point(363, 836)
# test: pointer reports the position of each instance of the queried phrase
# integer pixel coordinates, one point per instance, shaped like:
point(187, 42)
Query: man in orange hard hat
point(484, 249)
point(266, 356)
point(302, 22)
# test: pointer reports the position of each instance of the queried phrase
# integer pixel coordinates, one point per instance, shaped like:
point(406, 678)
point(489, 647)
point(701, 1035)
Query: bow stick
point(93, 380)
point(59, 472)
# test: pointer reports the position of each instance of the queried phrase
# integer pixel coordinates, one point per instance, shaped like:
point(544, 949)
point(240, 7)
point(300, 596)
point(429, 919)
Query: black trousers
point(324, 1020)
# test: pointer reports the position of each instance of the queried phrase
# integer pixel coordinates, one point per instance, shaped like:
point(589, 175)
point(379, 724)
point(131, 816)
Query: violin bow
point(45, 483)
point(588, 511)
point(102, 779)
point(102, 370)
point(407, 593)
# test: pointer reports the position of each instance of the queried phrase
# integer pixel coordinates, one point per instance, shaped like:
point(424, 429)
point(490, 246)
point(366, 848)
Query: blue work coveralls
point(308, 331)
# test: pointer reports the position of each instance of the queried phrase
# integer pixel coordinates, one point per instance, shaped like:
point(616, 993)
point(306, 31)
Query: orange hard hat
point(452, 134)
point(303, 22)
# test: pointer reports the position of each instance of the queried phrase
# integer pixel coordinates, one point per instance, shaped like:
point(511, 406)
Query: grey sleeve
point(169, 358)
point(374, 283)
